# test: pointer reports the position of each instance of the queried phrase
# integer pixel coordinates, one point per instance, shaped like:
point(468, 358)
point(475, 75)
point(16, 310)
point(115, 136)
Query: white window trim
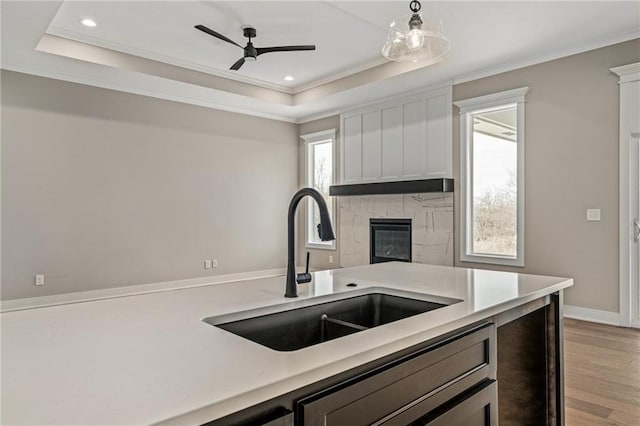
point(475, 105)
point(629, 75)
point(309, 139)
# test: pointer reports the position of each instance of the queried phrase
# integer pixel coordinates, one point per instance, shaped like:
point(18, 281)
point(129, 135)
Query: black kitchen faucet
point(325, 232)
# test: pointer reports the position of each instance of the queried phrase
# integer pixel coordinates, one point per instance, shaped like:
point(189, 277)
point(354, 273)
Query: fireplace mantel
point(397, 187)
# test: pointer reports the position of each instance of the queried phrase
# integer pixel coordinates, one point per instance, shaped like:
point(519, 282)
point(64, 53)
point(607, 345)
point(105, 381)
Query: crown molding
point(627, 73)
point(559, 53)
point(341, 83)
point(137, 91)
point(338, 76)
point(319, 116)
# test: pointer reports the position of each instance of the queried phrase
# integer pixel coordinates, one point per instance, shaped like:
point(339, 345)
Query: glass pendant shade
point(414, 38)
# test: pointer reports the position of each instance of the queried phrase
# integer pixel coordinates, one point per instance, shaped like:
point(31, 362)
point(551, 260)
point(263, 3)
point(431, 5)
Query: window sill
point(320, 246)
point(493, 260)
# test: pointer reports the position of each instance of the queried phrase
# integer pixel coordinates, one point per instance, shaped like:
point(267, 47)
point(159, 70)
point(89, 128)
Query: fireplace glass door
point(390, 240)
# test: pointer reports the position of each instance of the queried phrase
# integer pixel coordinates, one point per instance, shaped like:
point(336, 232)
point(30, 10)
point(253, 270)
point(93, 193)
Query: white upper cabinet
point(392, 143)
point(402, 139)
point(351, 148)
point(371, 146)
point(439, 125)
point(414, 138)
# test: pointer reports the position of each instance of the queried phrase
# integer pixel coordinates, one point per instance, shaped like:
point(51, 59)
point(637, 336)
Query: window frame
point(311, 140)
point(468, 108)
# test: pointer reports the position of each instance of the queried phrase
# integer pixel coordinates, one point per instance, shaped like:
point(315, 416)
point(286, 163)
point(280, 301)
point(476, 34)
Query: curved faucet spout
point(325, 232)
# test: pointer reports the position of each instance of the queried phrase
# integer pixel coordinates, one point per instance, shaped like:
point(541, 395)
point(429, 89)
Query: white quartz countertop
point(149, 358)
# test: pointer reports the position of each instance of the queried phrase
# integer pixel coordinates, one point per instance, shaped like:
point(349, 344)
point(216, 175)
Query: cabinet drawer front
point(430, 402)
point(480, 408)
point(468, 357)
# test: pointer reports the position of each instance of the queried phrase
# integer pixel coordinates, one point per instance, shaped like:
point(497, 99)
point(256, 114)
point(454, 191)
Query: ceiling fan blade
point(217, 35)
point(237, 65)
point(261, 50)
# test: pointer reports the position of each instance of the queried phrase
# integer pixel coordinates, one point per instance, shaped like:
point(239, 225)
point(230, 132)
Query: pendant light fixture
point(414, 38)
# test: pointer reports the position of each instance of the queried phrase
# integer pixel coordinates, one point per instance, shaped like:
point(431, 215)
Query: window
point(319, 156)
point(492, 178)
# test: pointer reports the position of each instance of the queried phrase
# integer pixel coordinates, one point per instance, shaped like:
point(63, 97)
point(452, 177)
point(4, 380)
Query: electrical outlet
point(214, 263)
point(207, 264)
point(593, 215)
point(330, 259)
point(39, 279)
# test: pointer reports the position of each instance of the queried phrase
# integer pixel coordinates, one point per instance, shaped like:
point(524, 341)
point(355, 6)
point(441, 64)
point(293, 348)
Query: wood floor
point(602, 374)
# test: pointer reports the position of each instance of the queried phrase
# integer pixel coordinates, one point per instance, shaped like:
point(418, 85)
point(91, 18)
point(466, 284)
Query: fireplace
point(390, 239)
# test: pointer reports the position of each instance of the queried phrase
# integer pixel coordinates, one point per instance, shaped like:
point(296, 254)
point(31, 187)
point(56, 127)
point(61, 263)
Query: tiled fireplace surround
point(431, 217)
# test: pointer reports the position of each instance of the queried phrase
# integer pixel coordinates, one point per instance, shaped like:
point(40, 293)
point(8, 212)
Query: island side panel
point(522, 371)
point(555, 360)
point(530, 378)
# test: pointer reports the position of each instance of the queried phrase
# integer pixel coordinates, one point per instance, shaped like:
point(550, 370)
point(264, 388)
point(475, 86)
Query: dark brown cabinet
point(414, 388)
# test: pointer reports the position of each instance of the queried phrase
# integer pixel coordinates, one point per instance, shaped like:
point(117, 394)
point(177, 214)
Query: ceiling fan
point(251, 53)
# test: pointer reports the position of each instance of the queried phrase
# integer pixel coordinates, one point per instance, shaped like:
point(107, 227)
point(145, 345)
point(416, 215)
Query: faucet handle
point(306, 276)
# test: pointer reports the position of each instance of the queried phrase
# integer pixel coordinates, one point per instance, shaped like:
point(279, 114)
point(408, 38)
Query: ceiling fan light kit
point(413, 38)
point(251, 53)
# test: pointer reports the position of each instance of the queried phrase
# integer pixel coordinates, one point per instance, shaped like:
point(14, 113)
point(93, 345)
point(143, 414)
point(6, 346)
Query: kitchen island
point(150, 358)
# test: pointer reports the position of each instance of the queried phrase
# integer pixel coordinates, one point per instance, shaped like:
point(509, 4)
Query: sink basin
point(289, 328)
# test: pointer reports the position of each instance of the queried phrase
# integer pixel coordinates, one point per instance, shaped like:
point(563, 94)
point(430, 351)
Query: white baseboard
point(591, 315)
point(110, 293)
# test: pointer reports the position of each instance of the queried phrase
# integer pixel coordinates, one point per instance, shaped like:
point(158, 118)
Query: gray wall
point(571, 150)
point(571, 165)
point(104, 189)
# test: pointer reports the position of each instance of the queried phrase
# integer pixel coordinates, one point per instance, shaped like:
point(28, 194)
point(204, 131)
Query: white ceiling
point(165, 32)
point(486, 37)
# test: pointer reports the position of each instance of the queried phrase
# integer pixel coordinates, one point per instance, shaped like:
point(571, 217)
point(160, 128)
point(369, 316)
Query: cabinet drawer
point(477, 408)
point(445, 368)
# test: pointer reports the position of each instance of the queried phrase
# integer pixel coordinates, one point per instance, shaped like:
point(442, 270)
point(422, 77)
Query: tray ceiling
point(151, 47)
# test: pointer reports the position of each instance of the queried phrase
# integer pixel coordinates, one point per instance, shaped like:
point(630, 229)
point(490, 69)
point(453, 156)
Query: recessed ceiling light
point(88, 22)
point(288, 78)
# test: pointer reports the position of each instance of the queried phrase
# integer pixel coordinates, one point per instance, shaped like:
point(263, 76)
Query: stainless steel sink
point(291, 326)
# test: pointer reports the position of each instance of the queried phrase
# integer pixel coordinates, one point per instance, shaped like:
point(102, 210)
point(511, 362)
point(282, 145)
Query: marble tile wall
point(431, 225)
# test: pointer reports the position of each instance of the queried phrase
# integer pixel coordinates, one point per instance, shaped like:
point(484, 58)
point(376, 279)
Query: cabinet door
point(371, 146)
point(392, 152)
point(438, 140)
point(414, 140)
point(352, 149)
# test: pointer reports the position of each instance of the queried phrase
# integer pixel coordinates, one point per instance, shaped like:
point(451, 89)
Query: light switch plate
point(593, 215)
